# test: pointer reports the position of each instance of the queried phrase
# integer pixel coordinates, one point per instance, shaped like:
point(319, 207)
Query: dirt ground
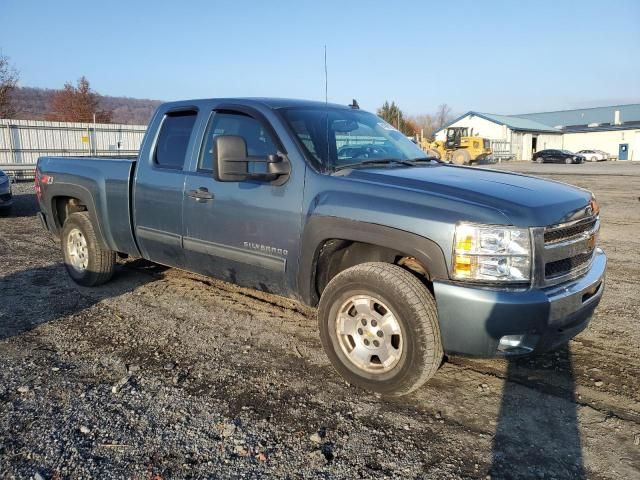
point(166, 374)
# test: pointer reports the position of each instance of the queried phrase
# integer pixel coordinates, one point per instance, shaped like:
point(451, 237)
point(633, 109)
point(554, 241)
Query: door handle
point(201, 194)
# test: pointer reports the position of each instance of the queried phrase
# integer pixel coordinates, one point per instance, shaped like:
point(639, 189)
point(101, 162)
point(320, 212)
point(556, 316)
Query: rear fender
point(84, 196)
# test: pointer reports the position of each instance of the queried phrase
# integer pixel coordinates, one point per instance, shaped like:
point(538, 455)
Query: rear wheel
point(594, 159)
point(86, 261)
point(379, 327)
point(461, 157)
point(539, 159)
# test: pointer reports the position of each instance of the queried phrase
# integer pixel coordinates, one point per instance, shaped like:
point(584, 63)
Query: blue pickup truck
point(405, 257)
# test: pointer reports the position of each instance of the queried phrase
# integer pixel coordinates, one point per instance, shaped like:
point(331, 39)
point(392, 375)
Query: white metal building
point(615, 130)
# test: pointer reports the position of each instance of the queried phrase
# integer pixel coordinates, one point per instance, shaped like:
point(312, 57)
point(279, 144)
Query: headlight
point(491, 253)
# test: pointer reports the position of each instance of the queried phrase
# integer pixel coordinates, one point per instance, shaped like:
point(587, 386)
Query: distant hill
point(33, 104)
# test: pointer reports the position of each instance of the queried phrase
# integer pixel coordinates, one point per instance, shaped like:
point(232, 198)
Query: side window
point(301, 129)
point(173, 139)
point(259, 141)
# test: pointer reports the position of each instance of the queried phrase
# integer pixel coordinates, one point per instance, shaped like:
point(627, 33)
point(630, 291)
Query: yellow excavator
point(459, 147)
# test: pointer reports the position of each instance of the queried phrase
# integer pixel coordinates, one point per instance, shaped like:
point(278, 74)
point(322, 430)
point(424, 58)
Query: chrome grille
point(564, 252)
point(564, 233)
point(566, 265)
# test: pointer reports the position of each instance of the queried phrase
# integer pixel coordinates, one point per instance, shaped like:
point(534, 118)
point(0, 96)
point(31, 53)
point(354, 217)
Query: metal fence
point(23, 141)
point(502, 150)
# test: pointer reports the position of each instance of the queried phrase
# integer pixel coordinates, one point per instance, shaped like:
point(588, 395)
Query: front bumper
point(474, 319)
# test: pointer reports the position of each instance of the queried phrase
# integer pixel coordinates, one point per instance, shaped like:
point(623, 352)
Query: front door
point(623, 151)
point(244, 232)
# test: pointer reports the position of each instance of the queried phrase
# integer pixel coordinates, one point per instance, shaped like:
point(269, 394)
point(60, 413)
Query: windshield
point(336, 137)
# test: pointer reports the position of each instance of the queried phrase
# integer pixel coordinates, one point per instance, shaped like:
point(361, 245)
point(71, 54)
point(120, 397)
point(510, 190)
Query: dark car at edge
point(557, 156)
point(6, 196)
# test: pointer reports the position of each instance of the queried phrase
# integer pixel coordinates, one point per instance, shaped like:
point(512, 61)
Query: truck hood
point(526, 201)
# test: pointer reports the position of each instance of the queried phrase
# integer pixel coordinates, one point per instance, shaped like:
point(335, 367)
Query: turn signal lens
point(463, 265)
point(465, 244)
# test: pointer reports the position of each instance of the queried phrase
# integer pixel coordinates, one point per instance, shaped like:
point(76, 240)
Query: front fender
point(322, 228)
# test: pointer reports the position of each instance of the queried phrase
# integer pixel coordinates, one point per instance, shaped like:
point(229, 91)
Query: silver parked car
point(594, 155)
point(6, 196)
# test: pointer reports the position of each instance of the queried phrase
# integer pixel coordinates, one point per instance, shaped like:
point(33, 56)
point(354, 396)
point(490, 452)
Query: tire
point(5, 211)
point(87, 263)
point(539, 159)
point(380, 290)
point(568, 161)
point(461, 157)
point(594, 159)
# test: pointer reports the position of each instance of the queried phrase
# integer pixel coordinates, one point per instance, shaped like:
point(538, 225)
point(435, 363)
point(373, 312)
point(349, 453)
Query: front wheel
point(86, 261)
point(568, 161)
point(379, 327)
point(461, 157)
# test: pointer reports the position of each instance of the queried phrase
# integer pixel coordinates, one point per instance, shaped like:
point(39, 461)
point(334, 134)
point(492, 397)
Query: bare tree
point(77, 104)
point(442, 116)
point(8, 81)
point(425, 124)
point(428, 124)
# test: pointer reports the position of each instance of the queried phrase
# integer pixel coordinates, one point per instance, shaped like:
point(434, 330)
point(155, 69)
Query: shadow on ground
point(537, 434)
point(24, 205)
point(24, 305)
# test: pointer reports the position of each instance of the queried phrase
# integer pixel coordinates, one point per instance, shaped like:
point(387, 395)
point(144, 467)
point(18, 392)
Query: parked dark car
point(557, 156)
point(6, 198)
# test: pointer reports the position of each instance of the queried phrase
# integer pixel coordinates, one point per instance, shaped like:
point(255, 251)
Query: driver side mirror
point(231, 162)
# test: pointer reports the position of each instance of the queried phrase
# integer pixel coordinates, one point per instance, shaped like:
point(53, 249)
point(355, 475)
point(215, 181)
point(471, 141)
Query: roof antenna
point(326, 95)
point(354, 104)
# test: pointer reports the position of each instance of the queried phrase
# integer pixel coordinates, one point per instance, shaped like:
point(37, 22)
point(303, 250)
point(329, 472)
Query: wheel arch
point(70, 199)
point(332, 244)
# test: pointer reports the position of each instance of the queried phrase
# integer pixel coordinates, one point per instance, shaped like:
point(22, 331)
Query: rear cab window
point(173, 139)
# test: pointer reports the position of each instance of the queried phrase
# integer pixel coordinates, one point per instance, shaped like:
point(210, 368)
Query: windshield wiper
point(424, 159)
point(376, 161)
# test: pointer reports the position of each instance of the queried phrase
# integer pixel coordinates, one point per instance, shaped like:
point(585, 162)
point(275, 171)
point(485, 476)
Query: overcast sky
point(497, 57)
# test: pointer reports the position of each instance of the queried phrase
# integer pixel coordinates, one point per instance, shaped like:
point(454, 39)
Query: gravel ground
point(166, 374)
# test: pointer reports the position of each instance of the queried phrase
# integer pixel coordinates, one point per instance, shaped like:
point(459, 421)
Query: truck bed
point(102, 183)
